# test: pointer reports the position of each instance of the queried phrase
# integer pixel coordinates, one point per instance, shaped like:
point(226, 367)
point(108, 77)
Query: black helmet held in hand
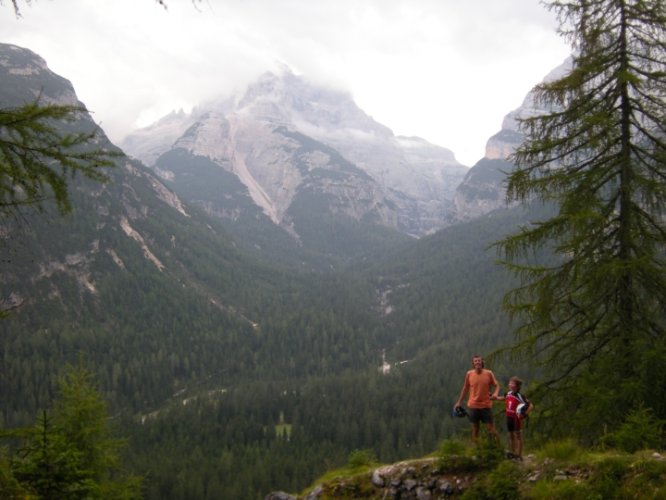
point(459, 411)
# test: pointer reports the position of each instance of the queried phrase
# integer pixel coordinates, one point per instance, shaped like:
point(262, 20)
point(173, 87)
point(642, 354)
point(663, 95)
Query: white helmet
point(521, 409)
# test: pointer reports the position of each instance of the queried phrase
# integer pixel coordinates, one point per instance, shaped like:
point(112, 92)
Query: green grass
point(565, 450)
point(558, 470)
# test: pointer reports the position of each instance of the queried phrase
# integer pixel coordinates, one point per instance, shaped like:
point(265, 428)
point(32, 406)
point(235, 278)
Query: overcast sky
point(444, 70)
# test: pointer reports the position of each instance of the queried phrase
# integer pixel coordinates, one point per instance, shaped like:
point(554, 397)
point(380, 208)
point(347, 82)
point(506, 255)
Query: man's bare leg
point(493, 432)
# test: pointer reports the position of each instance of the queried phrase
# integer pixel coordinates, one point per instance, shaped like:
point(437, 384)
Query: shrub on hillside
point(640, 430)
point(361, 458)
point(608, 476)
point(451, 447)
point(503, 483)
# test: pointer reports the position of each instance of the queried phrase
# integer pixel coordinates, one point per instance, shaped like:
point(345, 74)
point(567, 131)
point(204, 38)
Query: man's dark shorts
point(477, 415)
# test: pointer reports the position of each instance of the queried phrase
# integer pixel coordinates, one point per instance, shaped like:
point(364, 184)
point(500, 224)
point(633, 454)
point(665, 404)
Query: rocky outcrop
point(37, 80)
point(149, 143)
point(432, 479)
point(415, 479)
point(482, 190)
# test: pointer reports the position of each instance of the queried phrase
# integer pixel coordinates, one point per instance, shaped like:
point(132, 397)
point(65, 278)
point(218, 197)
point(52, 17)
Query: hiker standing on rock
point(481, 385)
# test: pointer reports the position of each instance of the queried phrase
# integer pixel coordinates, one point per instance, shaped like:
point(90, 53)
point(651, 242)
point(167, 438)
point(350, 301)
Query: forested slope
point(233, 376)
point(280, 433)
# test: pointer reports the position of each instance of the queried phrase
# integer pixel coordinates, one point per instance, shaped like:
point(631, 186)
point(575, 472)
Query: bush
point(647, 476)
point(503, 483)
point(650, 469)
point(608, 475)
point(361, 458)
point(458, 463)
point(489, 452)
point(640, 430)
point(451, 447)
point(453, 457)
point(9, 486)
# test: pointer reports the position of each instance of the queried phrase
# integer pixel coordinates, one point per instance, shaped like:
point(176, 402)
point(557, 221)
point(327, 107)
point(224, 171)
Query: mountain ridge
point(412, 179)
point(482, 190)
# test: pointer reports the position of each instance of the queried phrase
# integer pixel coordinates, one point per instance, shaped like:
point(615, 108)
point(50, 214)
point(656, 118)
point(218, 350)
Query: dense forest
point(231, 375)
point(275, 380)
point(233, 368)
point(279, 434)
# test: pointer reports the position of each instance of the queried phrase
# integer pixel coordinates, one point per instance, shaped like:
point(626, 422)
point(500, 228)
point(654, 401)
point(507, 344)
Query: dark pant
point(477, 415)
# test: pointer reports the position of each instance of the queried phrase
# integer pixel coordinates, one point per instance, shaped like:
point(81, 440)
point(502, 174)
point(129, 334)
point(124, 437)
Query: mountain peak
point(286, 134)
point(283, 69)
point(288, 98)
point(17, 61)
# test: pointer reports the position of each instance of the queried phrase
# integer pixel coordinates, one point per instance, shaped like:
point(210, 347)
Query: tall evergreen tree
point(71, 454)
point(592, 314)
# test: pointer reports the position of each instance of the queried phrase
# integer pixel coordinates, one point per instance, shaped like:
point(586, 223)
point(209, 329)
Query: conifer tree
point(39, 153)
point(591, 316)
point(70, 452)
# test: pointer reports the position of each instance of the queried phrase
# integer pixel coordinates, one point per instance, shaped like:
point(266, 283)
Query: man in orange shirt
point(479, 382)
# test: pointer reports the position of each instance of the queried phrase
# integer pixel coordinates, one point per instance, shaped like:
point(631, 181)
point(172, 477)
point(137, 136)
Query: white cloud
point(445, 70)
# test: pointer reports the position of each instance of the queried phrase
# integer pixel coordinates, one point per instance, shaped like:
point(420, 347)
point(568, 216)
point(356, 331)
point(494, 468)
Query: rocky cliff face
point(111, 216)
point(26, 77)
point(286, 139)
point(482, 189)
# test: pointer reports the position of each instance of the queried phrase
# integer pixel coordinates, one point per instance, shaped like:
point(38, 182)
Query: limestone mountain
point(155, 293)
point(482, 190)
point(305, 159)
point(133, 270)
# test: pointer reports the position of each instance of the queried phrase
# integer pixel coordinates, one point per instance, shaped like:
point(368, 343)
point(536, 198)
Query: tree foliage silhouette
point(39, 153)
point(593, 312)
